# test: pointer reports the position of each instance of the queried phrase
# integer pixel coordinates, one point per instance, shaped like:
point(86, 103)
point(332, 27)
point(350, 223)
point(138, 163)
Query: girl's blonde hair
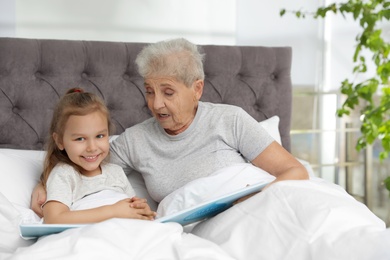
point(74, 102)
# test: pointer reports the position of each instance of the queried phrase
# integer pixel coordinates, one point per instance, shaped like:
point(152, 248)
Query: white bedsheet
point(122, 239)
point(290, 220)
point(299, 220)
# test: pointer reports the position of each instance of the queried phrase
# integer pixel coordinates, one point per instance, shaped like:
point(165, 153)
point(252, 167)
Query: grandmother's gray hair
point(176, 58)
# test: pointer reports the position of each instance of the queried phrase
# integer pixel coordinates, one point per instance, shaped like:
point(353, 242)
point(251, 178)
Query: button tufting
point(126, 76)
point(15, 110)
point(38, 74)
point(273, 76)
point(84, 75)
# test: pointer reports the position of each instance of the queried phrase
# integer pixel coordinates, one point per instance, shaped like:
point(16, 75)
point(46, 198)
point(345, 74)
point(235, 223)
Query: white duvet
point(290, 220)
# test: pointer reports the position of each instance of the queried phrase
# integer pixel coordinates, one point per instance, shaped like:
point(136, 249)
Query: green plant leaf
point(375, 110)
point(387, 183)
point(386, 13)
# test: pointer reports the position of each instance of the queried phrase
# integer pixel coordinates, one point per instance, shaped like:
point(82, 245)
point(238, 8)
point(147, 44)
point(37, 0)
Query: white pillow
point(271, 125)
point(19, 172)
point(219, 183)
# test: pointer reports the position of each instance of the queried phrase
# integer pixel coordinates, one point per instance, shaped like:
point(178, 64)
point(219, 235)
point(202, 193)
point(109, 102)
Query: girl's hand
point(135, 208)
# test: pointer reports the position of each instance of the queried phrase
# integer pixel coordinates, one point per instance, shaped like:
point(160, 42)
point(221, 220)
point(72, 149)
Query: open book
point(193, 214)
point(211, 207)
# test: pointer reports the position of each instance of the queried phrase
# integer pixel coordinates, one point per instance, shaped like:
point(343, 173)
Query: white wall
point(128, 20)
point(7, 18)
point(259, 23)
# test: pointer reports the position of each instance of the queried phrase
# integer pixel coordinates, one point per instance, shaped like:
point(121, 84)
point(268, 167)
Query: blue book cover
point(31, 231)
point(211, 207)
point(193, 214)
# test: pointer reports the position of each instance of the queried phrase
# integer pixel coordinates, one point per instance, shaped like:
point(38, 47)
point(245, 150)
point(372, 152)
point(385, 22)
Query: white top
point(68, 186)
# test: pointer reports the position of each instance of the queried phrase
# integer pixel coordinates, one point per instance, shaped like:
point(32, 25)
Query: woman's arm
point(280, 163)
point(38, 197)
point(55, 212)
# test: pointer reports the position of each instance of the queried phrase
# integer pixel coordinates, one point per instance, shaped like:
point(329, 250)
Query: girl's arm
point(55, 212)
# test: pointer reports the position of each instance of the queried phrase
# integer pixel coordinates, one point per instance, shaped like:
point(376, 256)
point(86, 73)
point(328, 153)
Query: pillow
point(219, 183)
point(20, 171)
point(271, 125)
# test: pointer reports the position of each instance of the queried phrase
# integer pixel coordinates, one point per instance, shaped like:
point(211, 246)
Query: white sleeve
point(59, 187)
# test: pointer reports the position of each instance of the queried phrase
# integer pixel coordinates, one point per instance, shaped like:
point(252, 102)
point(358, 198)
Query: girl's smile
point(85, 141)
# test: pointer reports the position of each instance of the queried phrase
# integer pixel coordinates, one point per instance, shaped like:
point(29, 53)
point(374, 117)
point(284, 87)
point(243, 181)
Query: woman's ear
point(58, 141)
point(198, 87)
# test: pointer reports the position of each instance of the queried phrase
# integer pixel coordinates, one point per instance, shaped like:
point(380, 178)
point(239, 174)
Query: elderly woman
point(187, 139)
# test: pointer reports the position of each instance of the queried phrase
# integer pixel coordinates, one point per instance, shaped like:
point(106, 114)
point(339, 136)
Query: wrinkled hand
point(135, 208)
point(253, 194)
point(38, 197)
point(244, 198)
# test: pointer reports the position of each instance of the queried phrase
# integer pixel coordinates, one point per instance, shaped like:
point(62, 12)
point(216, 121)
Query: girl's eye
point(80, 139)
point(100, 136)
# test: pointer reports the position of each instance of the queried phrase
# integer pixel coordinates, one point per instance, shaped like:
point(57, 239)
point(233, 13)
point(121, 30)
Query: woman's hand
point(38, 197)
point(245, 198)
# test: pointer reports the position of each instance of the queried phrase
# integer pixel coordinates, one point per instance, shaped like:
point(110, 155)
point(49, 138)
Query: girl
point(75, 169)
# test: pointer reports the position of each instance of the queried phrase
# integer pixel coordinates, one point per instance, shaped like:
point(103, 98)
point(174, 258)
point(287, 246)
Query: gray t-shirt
point(68, 186)
point(219, 136)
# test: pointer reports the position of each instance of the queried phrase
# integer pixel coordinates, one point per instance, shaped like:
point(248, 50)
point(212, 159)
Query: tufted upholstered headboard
point(35, 73)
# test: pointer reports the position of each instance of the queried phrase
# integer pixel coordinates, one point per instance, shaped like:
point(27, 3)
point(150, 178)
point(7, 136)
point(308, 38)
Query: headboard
point(34, 73)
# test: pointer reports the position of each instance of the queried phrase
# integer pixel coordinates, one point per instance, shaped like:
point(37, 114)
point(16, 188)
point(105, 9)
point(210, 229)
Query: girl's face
point(172, 103)
point(85, 141)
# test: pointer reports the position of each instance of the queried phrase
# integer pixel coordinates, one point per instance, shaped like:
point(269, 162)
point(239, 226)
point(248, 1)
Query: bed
point(310, 219)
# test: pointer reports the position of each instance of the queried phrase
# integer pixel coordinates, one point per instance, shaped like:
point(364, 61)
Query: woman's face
point(172, 103)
